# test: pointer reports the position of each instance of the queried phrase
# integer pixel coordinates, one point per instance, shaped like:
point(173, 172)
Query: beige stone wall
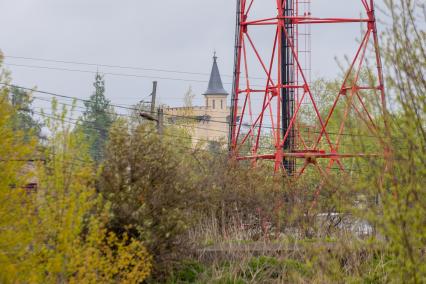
point(214, 129)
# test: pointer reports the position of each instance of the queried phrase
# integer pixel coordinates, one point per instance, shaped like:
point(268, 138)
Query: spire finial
point(214, 56)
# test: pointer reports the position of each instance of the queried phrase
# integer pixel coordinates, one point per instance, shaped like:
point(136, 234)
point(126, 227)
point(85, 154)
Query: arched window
point(221, 104)
point(214, 104)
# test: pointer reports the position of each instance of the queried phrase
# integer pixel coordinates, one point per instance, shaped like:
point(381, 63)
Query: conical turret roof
point(215, 83)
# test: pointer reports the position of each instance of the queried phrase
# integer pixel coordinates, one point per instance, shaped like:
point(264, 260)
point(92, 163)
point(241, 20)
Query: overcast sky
point(151, 34)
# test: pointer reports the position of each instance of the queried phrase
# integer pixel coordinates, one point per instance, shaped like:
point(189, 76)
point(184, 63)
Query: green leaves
point(97, 119)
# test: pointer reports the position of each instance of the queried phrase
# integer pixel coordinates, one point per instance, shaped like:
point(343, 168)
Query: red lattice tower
point(286, 90)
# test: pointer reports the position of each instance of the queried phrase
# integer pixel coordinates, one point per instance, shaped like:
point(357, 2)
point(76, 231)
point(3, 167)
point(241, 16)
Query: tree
point(160, 188)
point(150, 197)
point(23, 118)
point(188, 112)
point(402, 192)
point(188, 98)
point(57, 234)
point(78, 247)
point(15, 237)
point(399, 210)
point(97, 119)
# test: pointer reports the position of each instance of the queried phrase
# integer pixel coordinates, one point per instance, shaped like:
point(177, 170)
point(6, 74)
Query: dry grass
point(236, 254)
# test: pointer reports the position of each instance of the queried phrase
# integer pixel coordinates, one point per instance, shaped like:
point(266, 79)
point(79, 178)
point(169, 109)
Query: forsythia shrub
point(103, 257)
point(77, 247)
point(57, 234)
point(15, 217)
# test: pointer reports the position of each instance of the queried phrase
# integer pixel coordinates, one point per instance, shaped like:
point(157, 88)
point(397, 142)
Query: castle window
point(214, 104)
point(221, 104)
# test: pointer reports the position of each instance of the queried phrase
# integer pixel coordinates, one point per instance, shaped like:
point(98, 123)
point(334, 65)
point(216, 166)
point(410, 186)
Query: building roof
point(215, 83)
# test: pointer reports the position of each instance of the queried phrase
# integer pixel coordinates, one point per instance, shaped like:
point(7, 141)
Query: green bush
point(263, 267)
point(189, 272)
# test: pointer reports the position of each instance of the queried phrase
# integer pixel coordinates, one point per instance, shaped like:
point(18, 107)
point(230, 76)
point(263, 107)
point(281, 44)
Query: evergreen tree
point(98, 118)
point(23, 119)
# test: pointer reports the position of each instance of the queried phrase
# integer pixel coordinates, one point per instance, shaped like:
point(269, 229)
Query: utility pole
point(159, 119)
point(153, 97)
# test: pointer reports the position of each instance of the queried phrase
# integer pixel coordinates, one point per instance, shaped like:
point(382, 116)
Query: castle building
point(209, 123)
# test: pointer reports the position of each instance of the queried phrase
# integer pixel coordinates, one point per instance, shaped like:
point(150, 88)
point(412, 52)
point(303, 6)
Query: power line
point(129, 116)
point(168, 135)
point(81, 107)
point(115, 74)
point(191, 126)
point(110, 73)
point(136, 68)
point(74, 121)
point(126, 107)
point(172, 115)
point(142, 76)
point(108, 65)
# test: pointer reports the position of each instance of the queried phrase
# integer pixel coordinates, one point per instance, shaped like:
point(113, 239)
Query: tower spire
point(215, 83)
